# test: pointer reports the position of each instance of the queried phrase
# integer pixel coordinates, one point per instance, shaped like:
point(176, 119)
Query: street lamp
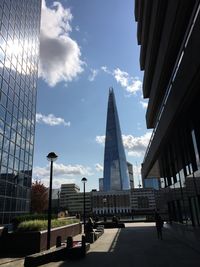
point(84, 180)
point(50, 157)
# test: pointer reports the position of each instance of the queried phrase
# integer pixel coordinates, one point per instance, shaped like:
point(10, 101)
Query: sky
point(86, 47)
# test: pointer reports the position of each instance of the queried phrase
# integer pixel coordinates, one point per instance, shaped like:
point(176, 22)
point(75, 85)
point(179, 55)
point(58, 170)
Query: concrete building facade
point(71, 199)
point(168, 33)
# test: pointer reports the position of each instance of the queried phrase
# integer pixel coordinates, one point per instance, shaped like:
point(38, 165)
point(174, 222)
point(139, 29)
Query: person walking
point(159, 225)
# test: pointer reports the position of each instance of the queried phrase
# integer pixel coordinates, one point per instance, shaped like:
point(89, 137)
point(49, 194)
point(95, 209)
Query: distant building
point(55, 199)
point(131, 176)
point(65, 191)
point(124, 202)
point(100, 184)
point(72, 199)
point(116, 175)
point(111, 203)
point(143, 199)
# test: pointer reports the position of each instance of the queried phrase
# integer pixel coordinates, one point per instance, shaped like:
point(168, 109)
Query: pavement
point(135, 246)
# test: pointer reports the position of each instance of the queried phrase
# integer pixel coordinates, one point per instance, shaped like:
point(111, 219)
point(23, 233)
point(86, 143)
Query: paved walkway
point(135, 246)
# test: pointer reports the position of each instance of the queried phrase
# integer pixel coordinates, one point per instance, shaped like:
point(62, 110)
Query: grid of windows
point(19, 45)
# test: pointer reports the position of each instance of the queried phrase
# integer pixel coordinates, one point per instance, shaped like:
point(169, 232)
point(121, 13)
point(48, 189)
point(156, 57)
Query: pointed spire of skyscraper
point(115, 166)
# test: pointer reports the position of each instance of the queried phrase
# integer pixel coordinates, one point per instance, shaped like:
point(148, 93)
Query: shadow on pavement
point(139, 247)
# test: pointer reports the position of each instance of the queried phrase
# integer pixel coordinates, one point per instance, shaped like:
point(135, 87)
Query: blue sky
point(86, 47)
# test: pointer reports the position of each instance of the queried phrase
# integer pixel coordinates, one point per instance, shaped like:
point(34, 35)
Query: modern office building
point(168, 32)
point(71, 199)
point(116, 175)
point(19, 49)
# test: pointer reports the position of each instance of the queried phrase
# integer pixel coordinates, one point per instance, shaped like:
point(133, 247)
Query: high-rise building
point(168, 32)
point(19, 49)
point(116, 175)
point(130, 172)
point(100, 184)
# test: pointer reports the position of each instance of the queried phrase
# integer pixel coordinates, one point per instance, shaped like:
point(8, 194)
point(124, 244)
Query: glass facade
point(19, 49)
point(116, 176)
point(180, 169)
point(151, 183)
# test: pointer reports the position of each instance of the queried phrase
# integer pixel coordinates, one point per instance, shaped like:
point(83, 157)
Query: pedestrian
point(159, 225)
point(89, 226)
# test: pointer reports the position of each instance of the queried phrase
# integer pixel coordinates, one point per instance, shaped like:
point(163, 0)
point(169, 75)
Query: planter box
point(34, 242)
point(78, 251)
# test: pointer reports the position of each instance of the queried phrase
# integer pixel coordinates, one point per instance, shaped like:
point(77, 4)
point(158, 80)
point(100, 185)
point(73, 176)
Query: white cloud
point(56, 183)
point(135, 146)
point(139, 126)
point(144, 104)
point(100, 139)
point(51, 120)
point(106, 70)
point(77, 28)
point(93, 75)
point(137, 174)
point(99, 167)
point(131, 84)
point(61, 173)
point(59, 54)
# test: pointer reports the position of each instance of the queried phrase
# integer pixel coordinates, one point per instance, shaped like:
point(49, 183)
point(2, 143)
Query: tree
point(39, 197)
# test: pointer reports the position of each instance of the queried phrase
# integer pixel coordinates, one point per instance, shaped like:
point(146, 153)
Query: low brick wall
point(33, 242)
point(64, 232)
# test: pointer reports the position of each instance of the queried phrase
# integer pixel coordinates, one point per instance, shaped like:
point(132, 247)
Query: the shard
point(116, 175)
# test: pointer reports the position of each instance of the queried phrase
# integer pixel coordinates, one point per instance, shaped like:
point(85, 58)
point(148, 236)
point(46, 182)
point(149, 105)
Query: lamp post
point(58, 194)
point(51, 157)
point(84, 180)
point(104, 205)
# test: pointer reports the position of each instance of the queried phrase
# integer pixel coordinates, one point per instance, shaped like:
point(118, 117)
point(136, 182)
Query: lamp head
point(52, 156)
point(84, 180)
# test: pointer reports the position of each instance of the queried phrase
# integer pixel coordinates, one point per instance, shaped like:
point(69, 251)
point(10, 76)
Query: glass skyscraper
point(19, 49)
point(116, 176)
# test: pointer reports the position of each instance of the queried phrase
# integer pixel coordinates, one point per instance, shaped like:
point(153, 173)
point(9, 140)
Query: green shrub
point(39, 225)
point(30, 217)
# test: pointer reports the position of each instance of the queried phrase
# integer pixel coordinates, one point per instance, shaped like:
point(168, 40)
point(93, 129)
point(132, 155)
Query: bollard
point(83, 246)
point(69, 242)
point(58, 241)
